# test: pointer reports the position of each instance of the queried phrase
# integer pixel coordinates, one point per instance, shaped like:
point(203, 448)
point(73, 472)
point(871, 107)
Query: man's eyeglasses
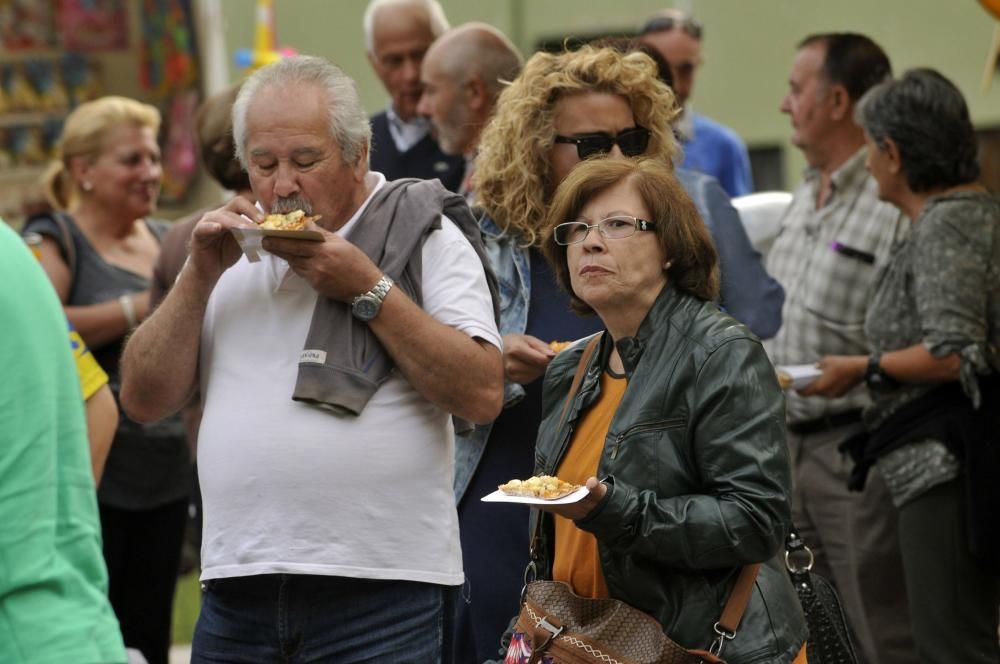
point(689, 25)
point(613, 228)
point(632, 142)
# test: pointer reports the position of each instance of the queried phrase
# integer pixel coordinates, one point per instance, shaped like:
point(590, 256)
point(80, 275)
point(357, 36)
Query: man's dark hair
point(926, 117)
point(851, 60)
point(214, 129)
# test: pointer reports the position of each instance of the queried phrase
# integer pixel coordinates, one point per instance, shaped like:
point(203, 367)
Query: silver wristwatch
point(367, 305)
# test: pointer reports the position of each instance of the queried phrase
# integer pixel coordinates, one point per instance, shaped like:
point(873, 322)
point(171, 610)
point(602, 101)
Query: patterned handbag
point(557, 626)
point(829, 636)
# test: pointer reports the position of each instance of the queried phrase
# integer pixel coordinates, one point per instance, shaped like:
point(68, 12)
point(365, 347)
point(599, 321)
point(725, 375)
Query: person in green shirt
point(53, 582)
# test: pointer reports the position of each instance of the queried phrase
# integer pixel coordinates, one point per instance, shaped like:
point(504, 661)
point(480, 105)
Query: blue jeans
point(296, 619)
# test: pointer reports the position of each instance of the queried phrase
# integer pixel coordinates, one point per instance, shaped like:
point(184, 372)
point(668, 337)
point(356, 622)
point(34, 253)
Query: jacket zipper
point(647, 426)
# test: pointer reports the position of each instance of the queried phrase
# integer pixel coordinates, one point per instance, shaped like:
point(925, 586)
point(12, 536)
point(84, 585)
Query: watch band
point(379, 290)
point(875, 376)
point(367, 305)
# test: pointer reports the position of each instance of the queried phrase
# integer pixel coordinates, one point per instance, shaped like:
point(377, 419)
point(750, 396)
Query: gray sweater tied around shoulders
point(343, 363)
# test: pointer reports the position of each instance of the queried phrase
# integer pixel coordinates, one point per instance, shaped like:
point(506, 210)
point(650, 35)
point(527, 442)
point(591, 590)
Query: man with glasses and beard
point(709, 147)
point(326, 466)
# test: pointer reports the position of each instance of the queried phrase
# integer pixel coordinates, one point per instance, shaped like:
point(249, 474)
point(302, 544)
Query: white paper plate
point(313, 236)
point(249, 239)
point(499, 496)
point(799, 374)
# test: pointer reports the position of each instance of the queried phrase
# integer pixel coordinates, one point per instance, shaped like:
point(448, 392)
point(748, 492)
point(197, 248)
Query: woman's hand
point(841, 373)
point(525, 357)
point(581, 508)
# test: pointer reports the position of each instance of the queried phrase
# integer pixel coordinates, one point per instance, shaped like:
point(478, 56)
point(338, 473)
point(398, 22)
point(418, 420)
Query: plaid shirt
point(827, 260)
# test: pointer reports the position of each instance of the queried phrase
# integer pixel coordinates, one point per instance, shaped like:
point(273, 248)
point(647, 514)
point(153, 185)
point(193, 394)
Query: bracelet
point(128, 308)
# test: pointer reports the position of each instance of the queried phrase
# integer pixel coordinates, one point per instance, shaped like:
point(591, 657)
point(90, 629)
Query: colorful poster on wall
point(26, 25)
point(169, 71)
point(92, 25)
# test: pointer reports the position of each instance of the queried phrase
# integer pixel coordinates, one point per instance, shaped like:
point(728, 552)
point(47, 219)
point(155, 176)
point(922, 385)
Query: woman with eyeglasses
point(675, 428)
point(564, 109)
point(934, 375)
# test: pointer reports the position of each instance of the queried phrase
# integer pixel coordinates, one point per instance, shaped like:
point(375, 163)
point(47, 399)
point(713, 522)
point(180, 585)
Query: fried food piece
point(546, 487)
point(784, 380)
point(559, 346)
point(293, 221)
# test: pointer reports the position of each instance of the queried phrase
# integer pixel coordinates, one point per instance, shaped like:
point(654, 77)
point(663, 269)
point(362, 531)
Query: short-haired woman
point(934, 327)
point(679, 412)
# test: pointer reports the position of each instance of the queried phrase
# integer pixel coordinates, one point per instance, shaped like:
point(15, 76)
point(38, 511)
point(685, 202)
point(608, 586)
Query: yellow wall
point(748, 44)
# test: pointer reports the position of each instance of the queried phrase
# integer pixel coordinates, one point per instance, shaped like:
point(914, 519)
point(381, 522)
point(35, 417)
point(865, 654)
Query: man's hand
point(841, 373)
point(213, 247)
point(525, 357)
point(334, 267)
point(583, 507)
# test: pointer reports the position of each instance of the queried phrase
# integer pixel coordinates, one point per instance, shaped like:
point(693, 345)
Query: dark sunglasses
point(632, 142)
point(689, 25)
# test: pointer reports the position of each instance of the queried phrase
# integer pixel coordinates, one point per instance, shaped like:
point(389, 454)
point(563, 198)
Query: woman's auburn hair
point(683, 236)
point(84, 134)
point(513, 179)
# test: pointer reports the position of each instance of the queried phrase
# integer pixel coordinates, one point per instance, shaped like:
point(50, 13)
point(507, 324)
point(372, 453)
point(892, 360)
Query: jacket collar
point(664, 308)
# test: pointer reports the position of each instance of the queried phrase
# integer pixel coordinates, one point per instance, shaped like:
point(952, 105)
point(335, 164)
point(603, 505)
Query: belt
point(825, 422)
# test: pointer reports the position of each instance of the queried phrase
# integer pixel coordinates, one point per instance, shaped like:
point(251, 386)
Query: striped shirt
point(827, 260)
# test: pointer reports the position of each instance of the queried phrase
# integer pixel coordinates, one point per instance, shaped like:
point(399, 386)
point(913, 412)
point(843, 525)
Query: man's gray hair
point(348, 121)
point(432, 9)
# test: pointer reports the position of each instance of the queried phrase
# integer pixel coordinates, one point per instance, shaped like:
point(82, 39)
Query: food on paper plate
point(293, 221)
point(797, 376)
point(785, 381)
point(559, 346)
point(543, 486)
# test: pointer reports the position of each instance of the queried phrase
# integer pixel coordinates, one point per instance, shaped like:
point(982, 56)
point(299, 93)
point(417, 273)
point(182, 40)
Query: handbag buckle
point(551, 629)
point(720, 640)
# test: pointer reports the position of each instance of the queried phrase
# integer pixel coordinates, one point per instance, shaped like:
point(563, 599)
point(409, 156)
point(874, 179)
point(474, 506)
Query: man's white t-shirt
point(291, 488)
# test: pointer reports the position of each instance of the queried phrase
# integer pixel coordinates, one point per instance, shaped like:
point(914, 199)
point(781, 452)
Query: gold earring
point(667, 265)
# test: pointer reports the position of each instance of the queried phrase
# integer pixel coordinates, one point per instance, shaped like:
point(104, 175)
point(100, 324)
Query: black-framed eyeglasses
point(690, 25)
point(613, 228)
point(632, 142)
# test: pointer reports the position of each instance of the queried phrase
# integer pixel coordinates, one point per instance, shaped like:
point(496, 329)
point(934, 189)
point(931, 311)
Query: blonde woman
point(563, 108)
point(99, 250)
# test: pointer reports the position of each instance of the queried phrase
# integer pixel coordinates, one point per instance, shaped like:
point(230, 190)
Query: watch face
point(366, 308)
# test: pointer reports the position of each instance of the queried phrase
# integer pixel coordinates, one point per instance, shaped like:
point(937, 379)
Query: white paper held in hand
point(796, 376)
point(249, 239)
point(499, 496)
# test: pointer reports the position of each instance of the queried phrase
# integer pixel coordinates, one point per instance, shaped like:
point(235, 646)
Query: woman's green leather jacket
point(698, 477)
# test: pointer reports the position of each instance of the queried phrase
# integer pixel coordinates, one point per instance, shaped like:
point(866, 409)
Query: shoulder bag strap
point(581, 369)
point(732, 613)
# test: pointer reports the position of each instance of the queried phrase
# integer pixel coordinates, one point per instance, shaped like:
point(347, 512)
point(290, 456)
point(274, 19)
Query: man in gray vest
point(326, 465)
